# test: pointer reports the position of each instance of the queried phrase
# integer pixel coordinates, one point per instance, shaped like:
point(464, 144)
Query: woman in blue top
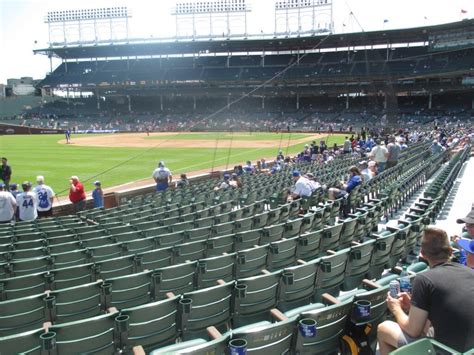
point(355, 179)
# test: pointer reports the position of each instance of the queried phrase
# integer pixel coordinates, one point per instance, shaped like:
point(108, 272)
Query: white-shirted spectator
point(302, 186)
point(45, 196)
point(7, 205)
point(27, 203)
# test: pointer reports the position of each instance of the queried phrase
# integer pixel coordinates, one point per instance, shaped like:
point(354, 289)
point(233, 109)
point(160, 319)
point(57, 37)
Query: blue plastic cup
point(238, 347)
point(307, 327)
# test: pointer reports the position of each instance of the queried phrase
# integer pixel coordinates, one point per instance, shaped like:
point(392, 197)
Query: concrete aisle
point(459, 201)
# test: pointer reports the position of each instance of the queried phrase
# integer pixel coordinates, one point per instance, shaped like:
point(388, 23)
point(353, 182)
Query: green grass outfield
point(32, 155)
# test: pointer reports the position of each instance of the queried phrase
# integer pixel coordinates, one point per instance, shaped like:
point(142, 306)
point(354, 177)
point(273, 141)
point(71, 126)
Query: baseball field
point(116, 159)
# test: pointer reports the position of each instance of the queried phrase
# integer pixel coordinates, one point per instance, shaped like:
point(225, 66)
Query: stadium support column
point(129, 99)
point(98, 99)
point(161, 103)
point(385, 99)
point(263, 101)
point(228, 101)
point(430, 100)
point(347, 101)
point(194, 103)
point(297, 100)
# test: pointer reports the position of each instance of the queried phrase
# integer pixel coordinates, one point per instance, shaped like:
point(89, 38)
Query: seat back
point(331, 271)
point(22, 314)
point(176, 278)
point(92, 335)
point(210, 270)
point(330, 327)
point(275, 338)
point(23, 343)
point(153, 324)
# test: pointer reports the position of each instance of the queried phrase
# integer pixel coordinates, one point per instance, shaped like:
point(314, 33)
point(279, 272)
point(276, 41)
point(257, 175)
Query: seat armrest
point(213, 332)
point(330, 299)
point(278, 315)
point(370, 284)
point(138, 350)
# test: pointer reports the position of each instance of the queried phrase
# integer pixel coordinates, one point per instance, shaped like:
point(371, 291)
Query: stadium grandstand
point(255, 267)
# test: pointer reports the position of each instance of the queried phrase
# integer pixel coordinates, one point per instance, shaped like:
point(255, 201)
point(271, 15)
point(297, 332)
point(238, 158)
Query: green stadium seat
point(157, 258)
point(204, 308)
point(282, 253)
point(28, 343)
point(128, 291)
point(218, 245)
point(309, 245)
point(297, 285)
point(266, 337)
point(22, 314)
point(153, 324)
point(76, 303)
point(22, 286)
point(92, 335)
point(254, 297)
point(247, 239)
point(251, 262)
point(330, 327)
point(358, 264)
point(331, 273)
point(176, 278)
point(425, 346)
point(212, 269)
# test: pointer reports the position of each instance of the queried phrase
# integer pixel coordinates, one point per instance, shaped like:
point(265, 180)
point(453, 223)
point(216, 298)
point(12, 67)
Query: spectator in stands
point(312, 182)
point(364, 170)
point(45, 198)
point(7, 205)
point(436, 148)
point(235, 181)
point(372, 167)
point(182, 182)
point(98, 195)
point(77, 195)
point(335, 148)
point(6, 173)
point(468, 233)
point(322, 146)
point(442, 295)
point(379, 154)
point(162, 176)
point(275, 168)
point(393, 152)
point(302, 186)
point(355, 179)
point(14, 190)
point(467, 246)
point(402, 143)
point(347, 146)
point(27, 203)
point(223, 185)
point(248, 168)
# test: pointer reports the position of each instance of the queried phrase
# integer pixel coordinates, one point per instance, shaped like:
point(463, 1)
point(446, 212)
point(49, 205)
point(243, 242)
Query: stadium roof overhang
point(170, 47)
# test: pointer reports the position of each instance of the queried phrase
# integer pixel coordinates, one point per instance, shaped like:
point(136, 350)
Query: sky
point(23, 29)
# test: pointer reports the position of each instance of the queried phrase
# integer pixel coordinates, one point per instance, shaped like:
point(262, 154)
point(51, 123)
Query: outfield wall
point(8, 129)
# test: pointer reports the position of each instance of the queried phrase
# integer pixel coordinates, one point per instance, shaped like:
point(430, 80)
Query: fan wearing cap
point(45, 198)
point(302, 186)
point(162, 176)
point(7, 205)
point(468, 235)
point(225, 184)
point(27, 203)
point(467, 246)
point(77, 195)
point(98, 195)
point(355, 179)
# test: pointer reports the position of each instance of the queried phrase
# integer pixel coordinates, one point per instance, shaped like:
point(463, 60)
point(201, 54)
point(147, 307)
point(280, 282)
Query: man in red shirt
point(77, 194)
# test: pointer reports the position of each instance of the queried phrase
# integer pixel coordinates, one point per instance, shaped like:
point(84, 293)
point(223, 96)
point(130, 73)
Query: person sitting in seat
point(355, 179)
point(302, 187)
point(441, 296)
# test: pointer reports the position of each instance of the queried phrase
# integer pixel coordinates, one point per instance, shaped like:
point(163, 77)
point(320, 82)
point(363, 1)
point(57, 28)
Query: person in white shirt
point(45, 196)
point(27, 203)
point(379, 154)
point(313, 183)
point(302, 186)
point(162, 176)
point(7, 205)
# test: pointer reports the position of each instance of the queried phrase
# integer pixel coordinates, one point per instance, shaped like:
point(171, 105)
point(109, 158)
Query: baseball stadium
point(223, 191)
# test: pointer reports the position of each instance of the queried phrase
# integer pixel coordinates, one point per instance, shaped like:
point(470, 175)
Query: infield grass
point(32, 155)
